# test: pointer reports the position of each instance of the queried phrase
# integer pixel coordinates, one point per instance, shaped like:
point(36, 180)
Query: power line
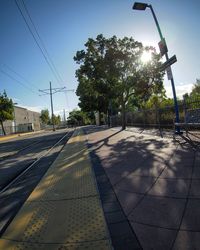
point(44, 47)
point(20, 82)
point(35, 39)
point(11, 77)
point(40, 45)
point(19, 75)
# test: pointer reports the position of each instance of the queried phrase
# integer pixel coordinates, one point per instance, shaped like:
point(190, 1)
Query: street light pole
point(172, 79)
point(142, 6)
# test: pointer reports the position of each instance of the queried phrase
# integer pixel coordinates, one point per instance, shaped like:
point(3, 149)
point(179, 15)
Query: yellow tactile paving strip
point(8, 137)
point(64, 211)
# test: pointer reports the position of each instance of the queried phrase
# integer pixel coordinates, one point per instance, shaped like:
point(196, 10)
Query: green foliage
point(6, 109)
point(158, 101)
point(78, 117)
point(56, 119)
point(45, 116)
point(112, 70)
point(196, 90)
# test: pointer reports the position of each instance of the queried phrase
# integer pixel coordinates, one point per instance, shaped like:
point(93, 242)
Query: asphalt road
point(15, 157)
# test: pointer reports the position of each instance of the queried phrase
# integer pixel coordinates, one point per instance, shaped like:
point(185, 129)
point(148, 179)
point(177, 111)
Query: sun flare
point(146, 56)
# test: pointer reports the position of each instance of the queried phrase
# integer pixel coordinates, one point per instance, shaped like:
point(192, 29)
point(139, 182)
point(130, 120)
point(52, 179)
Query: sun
point(146, 56)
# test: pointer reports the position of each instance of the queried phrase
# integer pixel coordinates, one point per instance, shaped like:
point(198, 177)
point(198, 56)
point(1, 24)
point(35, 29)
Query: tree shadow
point(13, 198)
point(64, 208)
point(14, 165)
point(16, 146)
point(154, 180)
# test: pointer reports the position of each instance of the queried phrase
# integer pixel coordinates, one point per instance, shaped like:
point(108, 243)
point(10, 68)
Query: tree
point(112, 70)
point(6, 109)
point(45, 116)
point(79, 117)
point(56, 119)
point(196, 89)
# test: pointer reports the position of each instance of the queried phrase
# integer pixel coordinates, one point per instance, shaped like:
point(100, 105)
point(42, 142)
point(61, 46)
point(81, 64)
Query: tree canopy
point(79, 117)
point(196, 89)
point(56, 119)
point(6, 109)
point(45, 116)
point(111, 71)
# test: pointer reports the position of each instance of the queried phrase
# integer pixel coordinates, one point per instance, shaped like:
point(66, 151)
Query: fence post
point(185, 109)
point(144, 118)
point(156, 116)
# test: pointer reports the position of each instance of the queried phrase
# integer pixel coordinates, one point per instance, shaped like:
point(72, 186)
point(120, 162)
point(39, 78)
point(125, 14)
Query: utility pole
point(64, 117)
point(50, 92)
point(52, 116)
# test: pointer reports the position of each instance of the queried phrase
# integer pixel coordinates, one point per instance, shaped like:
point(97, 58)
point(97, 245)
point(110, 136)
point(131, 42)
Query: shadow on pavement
point(157, 183)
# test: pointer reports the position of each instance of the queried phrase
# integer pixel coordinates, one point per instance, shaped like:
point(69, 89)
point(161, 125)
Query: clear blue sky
point(65, 25)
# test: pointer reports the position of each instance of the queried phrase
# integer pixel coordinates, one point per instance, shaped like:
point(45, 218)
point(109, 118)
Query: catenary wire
point(19, 75)
point(41, 41)
point(20, 82)
point(44, 47)
point(46, 57)
point(35, 39)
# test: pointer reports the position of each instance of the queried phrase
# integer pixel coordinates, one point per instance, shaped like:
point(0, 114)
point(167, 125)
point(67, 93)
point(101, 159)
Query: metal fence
point(189, 112)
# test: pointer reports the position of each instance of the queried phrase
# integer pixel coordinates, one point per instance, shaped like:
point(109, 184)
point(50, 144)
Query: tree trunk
point(98, 118)
point(4, 132)
point(123, 116)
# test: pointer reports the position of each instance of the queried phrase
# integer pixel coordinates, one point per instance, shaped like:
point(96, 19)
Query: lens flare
point(146, 56)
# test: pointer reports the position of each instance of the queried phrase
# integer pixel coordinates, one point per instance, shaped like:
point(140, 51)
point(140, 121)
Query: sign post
point(169, 73)
point(168, 63)
point(163, 47)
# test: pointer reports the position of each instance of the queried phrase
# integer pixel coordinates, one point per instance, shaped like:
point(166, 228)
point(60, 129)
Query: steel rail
point(30, 166)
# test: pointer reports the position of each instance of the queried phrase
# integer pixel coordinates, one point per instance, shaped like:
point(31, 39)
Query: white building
point(24, 120)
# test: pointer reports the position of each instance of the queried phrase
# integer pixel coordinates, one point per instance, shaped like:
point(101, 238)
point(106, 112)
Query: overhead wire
point(11, 77)
point(43, 45)
point(20, 82)
point(35, 39)
point(47, 57)
point(19, 75)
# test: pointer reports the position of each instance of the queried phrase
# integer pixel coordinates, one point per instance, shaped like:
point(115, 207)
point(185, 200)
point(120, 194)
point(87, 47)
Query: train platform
point(113, 189)
point(157, 183)
point(64, 211)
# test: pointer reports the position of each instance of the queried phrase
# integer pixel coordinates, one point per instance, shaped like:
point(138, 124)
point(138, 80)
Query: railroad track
point(15, 153)
point(20, 177)
point(28, 168)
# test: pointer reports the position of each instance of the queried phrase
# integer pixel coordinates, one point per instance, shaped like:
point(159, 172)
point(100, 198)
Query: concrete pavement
point(149, 189)
point(64, 210)
point(157, 183)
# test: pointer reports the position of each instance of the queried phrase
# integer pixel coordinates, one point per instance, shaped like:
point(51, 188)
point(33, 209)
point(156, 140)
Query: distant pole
point(52, 116)
point(64, 118)
point(50, 92)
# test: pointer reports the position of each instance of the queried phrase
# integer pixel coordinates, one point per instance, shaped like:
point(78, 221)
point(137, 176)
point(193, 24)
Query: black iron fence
point(189, 112)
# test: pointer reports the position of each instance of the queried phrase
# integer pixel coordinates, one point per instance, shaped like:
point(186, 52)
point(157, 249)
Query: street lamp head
point(140, 6)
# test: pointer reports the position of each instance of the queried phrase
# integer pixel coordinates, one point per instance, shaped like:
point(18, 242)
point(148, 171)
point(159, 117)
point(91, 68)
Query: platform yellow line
point(64, 210)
